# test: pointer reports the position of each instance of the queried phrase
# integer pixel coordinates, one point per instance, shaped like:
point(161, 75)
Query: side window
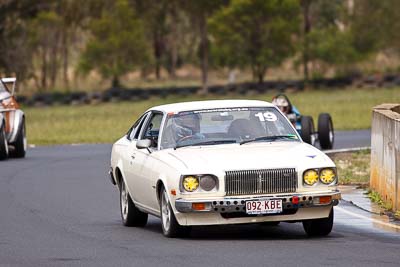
point(134, 131)
point(152, 129)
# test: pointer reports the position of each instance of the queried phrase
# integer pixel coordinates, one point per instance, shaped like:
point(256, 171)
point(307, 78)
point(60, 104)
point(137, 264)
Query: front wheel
point(3, 143)
point(169, 224)
point(130, 214)
point(270, 223)
point(319, 227)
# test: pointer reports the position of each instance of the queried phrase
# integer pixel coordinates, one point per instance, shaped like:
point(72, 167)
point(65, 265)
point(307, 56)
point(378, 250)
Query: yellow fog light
point(310, 177)
point(190, 183)
point(327, 176)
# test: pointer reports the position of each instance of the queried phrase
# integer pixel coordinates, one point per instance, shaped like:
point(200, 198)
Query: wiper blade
point(270, 138)
point(210, 142)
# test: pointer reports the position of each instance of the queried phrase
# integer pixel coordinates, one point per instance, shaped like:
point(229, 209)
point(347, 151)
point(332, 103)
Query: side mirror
point(143, 144)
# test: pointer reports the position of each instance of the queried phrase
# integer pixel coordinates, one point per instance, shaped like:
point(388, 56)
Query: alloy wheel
point(165, 212)
point(124, 201)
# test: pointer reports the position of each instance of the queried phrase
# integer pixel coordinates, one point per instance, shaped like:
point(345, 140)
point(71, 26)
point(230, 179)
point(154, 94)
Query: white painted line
point(343, 150)
point(367, 218)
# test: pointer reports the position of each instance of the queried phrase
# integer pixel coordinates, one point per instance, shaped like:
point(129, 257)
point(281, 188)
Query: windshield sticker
point(220, 110)
point(269, 116)
point(266, 116)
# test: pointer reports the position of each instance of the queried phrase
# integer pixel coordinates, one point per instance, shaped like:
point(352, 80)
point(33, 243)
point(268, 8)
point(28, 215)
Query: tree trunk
point(158, 51)
point(54, 60)
point(173, 40)
point(65, 58)
point(43, 82)
point(260, 78)
point(204, 54)
point(307, 27)
point(115, 82)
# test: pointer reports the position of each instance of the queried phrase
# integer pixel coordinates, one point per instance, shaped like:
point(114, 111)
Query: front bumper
point(231, 207)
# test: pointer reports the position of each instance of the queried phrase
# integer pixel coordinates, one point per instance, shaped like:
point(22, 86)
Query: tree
point(117, 45)
point(256, 33)
point(16, 52)
point(154, 15)
point(200, 11)
point(333, 47)
point(45, 38)
point(343, 32)
point(306, 5)
point(376, 25)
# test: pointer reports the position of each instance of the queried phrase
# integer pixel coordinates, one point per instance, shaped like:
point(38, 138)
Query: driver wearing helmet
point(187, 127)
point(283, 103)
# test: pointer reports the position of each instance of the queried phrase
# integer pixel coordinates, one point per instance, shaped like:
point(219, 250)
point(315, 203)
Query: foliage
point(333, 47)
point(42, 40)
point(376, 197)
point(255, 33)
point(16, 53)
point(118, 43)
point(45, 37)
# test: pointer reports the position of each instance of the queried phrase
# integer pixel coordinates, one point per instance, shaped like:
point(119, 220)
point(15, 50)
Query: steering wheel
point(186, 138)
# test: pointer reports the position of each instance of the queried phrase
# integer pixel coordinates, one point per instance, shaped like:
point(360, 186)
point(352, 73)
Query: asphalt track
point(58, 208)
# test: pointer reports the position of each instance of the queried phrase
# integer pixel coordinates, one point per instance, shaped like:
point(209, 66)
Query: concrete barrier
point(385, 153)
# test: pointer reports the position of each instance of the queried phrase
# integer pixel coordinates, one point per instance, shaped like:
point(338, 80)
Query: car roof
point(210, 104)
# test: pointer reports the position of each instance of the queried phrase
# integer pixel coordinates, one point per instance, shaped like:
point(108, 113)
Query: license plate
point(264, 206)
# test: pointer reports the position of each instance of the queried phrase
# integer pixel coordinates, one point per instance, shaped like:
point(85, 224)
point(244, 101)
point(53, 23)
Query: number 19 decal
point(266, 116)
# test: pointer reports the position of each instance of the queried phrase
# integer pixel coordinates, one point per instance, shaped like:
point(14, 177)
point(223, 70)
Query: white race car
point(221, 162)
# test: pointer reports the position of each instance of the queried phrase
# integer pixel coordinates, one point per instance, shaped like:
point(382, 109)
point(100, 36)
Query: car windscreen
point(226, 125)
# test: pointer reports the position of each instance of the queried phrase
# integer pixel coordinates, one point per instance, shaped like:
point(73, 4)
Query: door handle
point(133, 156)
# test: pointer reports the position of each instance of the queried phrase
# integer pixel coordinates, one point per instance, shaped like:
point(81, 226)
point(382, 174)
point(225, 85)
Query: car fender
point(170, 185)
point(117, 166)
point(17, 119)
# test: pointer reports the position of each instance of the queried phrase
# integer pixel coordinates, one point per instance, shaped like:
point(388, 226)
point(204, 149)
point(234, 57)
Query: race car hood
point(217, 158)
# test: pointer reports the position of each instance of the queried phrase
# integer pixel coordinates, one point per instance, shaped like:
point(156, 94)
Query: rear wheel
point(325, 131)
point(319, 227)
point(169, 224)
point(307, 129)
point(20, 143)
point(130, 214)
point(3, 143)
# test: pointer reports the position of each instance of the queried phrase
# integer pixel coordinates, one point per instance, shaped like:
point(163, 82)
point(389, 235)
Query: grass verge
point(353, 167)
point(104, 123)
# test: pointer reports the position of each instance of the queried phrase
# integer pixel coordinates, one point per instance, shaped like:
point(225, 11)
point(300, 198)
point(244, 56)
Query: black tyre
point(20, 143)
point(270, 223)
point(307, 129)
point(3, 143)
point(130, 214)
point(169, 224)
point(319, 227)
point(325, 131)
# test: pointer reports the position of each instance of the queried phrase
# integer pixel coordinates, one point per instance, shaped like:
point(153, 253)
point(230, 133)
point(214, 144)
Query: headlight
point(190, 183)
point(208, 182)
point(327, 176)
point(310, 177)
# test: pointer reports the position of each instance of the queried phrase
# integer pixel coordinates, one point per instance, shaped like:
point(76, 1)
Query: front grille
point(268, 181)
